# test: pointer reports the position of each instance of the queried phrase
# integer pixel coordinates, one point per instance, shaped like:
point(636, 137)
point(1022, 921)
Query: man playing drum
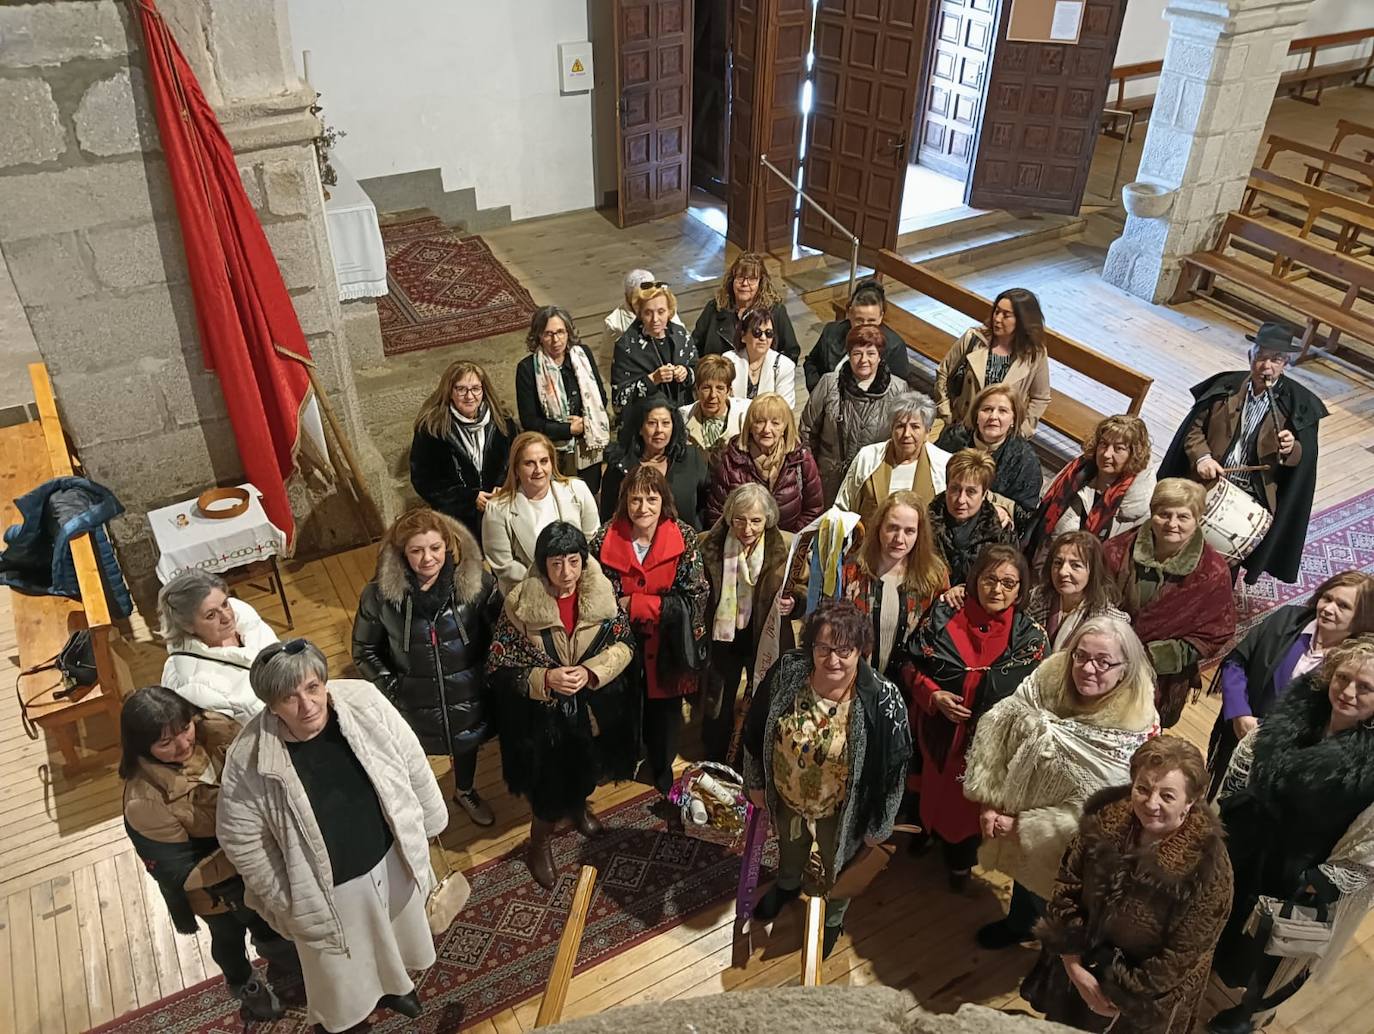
point(1258, 429)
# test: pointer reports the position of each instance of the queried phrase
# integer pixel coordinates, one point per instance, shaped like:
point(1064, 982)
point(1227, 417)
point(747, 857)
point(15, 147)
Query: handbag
point(1289, 930)
point(864, 867)
point(448, 897)
point(75, 662)
point(680, 650)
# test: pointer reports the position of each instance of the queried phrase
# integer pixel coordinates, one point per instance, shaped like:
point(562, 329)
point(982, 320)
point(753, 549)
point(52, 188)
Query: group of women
point(995, 661)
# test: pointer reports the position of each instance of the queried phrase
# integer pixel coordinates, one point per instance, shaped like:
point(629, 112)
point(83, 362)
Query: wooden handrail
point(556, 994)
point(1330, 39)
point(812, 938)
point(88, 580)
point(1117, 376)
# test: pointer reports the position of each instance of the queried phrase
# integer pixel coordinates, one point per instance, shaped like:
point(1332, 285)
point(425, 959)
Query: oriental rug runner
point(500, 949)
point(444, 288)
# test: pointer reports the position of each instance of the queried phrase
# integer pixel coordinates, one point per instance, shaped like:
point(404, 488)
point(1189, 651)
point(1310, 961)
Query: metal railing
point(853, 239)
point(1129, 116)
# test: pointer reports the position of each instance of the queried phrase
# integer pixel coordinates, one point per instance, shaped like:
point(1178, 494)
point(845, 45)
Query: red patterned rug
point(444, 288)
point(500, 950)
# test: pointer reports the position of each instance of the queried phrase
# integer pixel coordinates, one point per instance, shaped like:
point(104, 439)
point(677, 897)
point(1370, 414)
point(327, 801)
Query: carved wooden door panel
point(653, 78)
point(867, 72)
point(1043, 108)
point(766, 119)
point(960, 49)
point(710, 97)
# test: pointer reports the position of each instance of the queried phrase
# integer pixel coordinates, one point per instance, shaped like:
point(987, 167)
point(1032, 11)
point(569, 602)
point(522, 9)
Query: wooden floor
point(84, 935)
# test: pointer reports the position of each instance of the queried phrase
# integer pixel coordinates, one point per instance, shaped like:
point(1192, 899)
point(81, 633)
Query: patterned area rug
point(1338, 539)
point(500, 950)
point(444, 288)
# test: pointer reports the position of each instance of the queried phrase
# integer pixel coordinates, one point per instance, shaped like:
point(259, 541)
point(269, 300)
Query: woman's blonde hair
point(1018, 407)
point(715, 368)
point(1174, 492)
point(645, 294)
point(1136, 668)
point(971, 465)
point(1358, 648)
point(770, 406)
point(926, 571)
point(1124, 428)
point(436, 416)
point(523, 441)
point(748, 264)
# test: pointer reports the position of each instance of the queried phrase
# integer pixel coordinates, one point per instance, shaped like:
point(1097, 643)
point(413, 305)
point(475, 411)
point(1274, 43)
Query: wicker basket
point(725, 823)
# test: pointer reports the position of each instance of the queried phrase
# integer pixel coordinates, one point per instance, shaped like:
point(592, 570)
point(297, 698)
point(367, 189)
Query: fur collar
point(1291, 747)
point(1109, 823)
point(1181, 564)
point(467, 570)
point(532, 605)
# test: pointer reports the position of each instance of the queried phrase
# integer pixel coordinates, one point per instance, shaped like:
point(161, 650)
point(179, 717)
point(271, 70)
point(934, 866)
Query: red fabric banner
point(250, 335)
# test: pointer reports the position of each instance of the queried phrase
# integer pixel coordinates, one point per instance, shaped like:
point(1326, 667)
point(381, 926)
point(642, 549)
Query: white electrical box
point(575, 66)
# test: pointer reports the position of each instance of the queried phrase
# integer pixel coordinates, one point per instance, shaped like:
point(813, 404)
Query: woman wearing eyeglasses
point(654, 356)
point(461, 445)
point(965, 660)
point(826, 746)
point(327, 804)
point(759, 368)
point(1069, 730)
point(766, 452)
point(558, 392)
point(746, 286)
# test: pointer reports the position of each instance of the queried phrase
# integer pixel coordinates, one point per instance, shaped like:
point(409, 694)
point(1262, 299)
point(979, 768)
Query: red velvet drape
point(249, 332)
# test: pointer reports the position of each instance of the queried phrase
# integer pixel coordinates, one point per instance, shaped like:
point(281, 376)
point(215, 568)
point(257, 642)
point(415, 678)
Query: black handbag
point(679, 650)
point(76, 664)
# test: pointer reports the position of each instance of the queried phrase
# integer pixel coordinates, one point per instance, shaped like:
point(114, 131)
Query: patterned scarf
point(1062, 493)
point(553, 399)
point(736, 589)
point(471, 435)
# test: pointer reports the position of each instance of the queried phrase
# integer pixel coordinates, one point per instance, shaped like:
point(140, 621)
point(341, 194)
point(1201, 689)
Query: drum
point(1234, 522)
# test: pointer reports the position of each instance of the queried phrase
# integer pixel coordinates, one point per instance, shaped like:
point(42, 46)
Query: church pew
point(1320, 162)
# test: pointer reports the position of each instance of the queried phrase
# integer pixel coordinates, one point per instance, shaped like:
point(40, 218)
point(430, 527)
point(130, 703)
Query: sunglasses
point(763, 335)
point(649, 285)
point(294, 646)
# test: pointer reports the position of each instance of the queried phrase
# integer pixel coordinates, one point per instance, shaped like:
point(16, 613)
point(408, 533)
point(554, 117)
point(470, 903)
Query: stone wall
point(88, 228)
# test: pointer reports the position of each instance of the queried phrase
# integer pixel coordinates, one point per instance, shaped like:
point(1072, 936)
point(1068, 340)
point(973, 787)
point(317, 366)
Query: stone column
point(1221, 70)
point(88, 228)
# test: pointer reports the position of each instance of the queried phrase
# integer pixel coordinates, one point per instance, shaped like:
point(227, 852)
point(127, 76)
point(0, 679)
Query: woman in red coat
point(766, 452)
point(654, 566)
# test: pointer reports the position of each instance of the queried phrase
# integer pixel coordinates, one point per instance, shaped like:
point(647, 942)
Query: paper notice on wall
point(1067, 21)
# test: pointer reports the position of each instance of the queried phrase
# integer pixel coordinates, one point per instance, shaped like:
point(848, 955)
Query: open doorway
point(710, 158)
point(954, 80)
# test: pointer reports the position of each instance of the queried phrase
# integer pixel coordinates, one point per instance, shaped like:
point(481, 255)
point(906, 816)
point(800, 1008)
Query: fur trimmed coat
point(1143, 919)
point(430, 667)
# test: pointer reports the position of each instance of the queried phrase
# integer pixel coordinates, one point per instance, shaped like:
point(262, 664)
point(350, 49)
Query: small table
point(246, 545)
point(355, 240)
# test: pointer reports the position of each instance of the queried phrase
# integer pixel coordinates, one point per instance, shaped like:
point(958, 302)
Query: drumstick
point(1246, 469)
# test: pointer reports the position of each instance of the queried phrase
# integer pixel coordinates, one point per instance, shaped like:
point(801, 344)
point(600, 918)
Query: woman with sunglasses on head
point(327, 806)
point(964, 660)
point(1068, 731)
point(558, 392)
point(461, 445)
point(654, 356)
point(746, 286)
point(619, 319)
point(759, 368)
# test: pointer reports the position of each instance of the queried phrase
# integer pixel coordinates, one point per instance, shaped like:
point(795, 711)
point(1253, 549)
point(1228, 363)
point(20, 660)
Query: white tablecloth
point(213, 545)
point(354, 238)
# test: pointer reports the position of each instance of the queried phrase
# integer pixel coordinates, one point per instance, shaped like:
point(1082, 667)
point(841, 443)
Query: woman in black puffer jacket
point(421, 635)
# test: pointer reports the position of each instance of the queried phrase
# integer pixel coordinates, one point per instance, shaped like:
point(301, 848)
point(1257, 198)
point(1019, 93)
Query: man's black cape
point(1280, 552)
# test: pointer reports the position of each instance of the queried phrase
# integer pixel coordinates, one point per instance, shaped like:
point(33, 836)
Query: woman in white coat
point(533, 496)
point(211, 640)
point(327, 804)
point(759, 367)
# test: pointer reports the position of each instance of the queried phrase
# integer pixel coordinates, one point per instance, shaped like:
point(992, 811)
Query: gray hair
point(922, 407)
point(180, 599)
point(281, 667)
point(633, 279)
point(750, 496)
point(1132, 650)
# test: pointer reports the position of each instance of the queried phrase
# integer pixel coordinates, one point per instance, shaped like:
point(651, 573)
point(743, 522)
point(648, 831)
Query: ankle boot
point(587, 823)
point(539, 855)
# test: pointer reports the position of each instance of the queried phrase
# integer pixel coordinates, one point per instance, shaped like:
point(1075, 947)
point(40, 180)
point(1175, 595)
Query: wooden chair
point(1070, 416)
point(1284, 250)
point(42, 624)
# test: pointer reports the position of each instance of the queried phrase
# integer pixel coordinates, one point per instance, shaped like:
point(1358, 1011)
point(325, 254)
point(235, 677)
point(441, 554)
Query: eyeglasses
point(763, 335)
point(649, 285)
point(825, 650)
point(553, 335)
point(467, 392)
point(1097, 664)
point(743, 278)
point(991, 582)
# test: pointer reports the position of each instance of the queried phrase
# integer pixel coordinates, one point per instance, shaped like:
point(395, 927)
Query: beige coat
point(510, 528)
point(268, 829)
point(1029, 378)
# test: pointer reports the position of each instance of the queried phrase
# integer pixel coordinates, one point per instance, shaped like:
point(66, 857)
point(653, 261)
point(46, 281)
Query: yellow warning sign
point(577, 66)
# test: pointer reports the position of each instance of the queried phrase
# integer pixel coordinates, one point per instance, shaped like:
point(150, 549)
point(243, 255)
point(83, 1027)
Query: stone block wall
point(88, 228)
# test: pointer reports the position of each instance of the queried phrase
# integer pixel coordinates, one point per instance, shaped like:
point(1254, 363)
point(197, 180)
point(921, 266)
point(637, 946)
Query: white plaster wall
point(1144, 33)
point(466, 86)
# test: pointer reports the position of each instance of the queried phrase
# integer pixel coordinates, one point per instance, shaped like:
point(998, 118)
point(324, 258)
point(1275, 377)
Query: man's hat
point(1275, 337)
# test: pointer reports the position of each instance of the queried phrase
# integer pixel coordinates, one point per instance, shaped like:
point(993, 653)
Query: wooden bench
point(1321, 162)
point(1139, 105)
point(1069, 416)
point(1315, 211)
point(1313, 310)
point(35, 453)
point(1345, 129)
point(1337, 73)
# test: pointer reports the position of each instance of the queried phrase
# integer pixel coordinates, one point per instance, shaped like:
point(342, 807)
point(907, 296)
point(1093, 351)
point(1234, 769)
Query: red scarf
point(1060, 496)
